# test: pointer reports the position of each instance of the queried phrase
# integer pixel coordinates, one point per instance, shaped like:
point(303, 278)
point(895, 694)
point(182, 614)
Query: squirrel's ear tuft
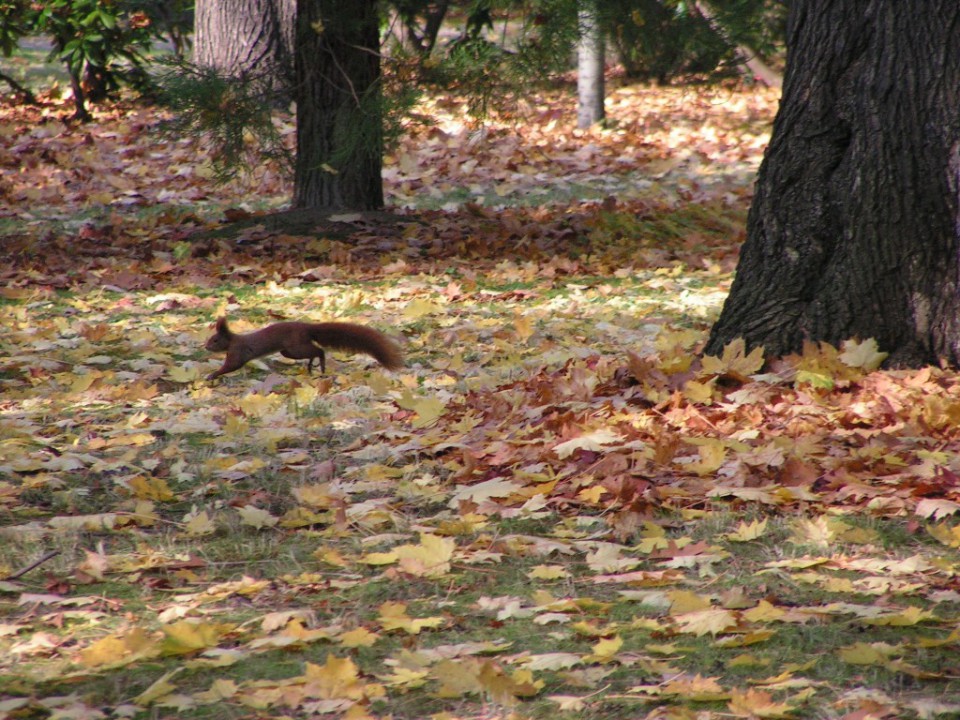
point(221, 326)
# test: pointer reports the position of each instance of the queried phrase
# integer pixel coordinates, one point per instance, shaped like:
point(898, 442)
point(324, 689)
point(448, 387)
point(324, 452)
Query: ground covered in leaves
point(556, 509)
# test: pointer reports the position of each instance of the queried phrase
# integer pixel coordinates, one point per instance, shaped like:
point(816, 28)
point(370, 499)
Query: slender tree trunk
point(80, 111)
point(339, 105)
point(747, 55)
point(246, 37)
point(421, 25)
point(590, 56)
point(28, 96)
point(855, 226)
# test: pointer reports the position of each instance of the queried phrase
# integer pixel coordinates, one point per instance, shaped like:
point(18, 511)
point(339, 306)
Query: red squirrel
point(301, 341)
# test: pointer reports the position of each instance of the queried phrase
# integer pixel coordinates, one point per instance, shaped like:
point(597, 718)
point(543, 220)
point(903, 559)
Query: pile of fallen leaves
point(557, 507)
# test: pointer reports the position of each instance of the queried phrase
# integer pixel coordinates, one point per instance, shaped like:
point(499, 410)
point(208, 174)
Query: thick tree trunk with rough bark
point(246, 37)
point(854, 229)
point(339, 105)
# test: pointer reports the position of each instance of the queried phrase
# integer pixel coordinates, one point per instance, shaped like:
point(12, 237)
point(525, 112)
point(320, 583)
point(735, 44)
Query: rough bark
point(590, 57)
point(854, 230)
point(246, 37)
point(339, 113)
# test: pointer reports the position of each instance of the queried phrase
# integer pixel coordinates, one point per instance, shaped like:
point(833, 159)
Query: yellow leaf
point(100, 521)
point(379, 558)
point(859, 536)
point(787, 678)
point(703, 622)
point(184, 374)
point(591, 629)
point(503, 688)
point(552, 661)
point(393, 616)
point(257, 405)
point(677, 339)
point(712, 454)
point(699, 393)
point(331, 556)
point(522, 327)
point(144, 514)
point(428, 409)
point(96, 565)
point(609, 558)
point(144, 488)
point(594, 441)
point(299, 517)
point(746, 661)
point(735, 363)
point(816, 379)
point(483, 491)
point(605, 650)
point(909, 616)
point(336, 679)
point(221, 689)
point(199, 524)
point(457, 678)
point(256, 518)
point(763, 612)
point(685, 601)
point(696, 688)
point(751, 638)
point(949, 536)
point(118, 649)
point(217, 658)
point(160, 688)
point(431, 558)
point(316, 496)
point(746, 532)
point(185, 637)
point(836, 584)
point(868, 653)
point(816, 531)
point(592, 495)
point(408, 678)
point(132, 439)
point(294, 633)
point(416, 309)
point(274, 621)
point(758, 704)
point(798, 563)
point(864, 355)
point(568, 703)
point(82, 383)
point(359, 637)
point(548, 572)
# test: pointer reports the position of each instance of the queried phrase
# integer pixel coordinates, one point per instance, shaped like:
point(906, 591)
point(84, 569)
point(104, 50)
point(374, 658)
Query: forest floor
point(555, 509)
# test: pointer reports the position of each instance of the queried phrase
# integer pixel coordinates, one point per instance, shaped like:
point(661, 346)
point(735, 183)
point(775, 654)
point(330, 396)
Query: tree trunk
point(853, 232)
point(246, 38)
point(339, 106)
point(421, 25)
point(590, 54)
point(757, 68)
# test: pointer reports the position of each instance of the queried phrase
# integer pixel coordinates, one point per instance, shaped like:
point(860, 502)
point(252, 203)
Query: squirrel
point(300, 341)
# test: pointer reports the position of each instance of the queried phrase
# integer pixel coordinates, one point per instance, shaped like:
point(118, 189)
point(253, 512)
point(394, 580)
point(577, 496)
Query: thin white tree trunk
point(590, 55)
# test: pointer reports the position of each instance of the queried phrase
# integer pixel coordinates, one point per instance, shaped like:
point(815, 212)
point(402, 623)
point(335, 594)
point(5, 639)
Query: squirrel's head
point(220, 340)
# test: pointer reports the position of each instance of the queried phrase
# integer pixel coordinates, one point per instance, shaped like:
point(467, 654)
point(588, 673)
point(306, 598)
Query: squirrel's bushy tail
point(358, 338)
